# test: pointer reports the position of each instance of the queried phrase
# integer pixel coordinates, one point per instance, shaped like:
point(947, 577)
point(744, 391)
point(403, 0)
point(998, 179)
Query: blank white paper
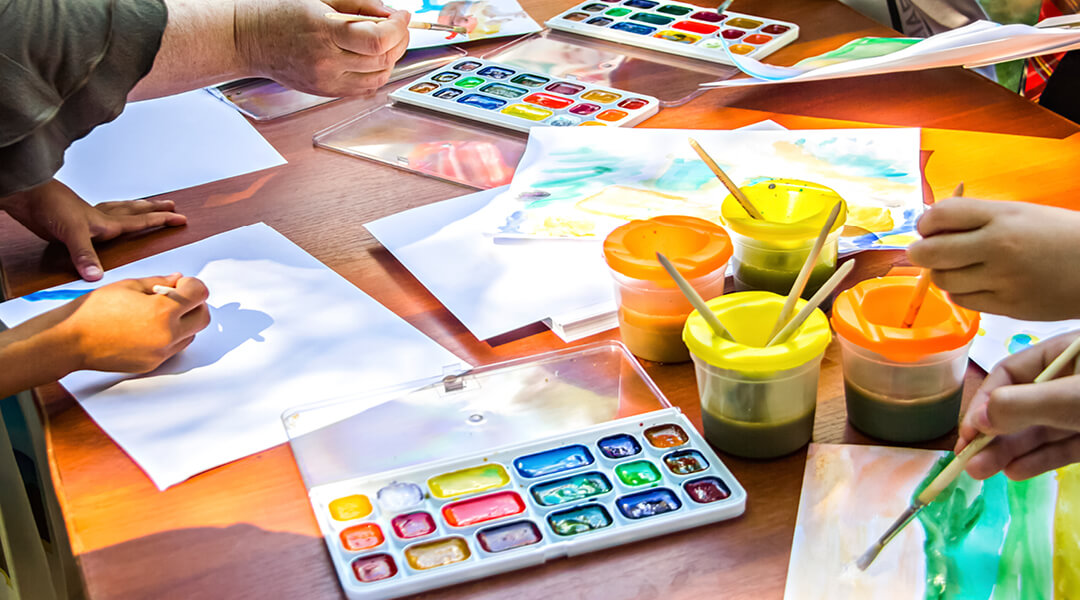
point(285, 331)
point(163, 145)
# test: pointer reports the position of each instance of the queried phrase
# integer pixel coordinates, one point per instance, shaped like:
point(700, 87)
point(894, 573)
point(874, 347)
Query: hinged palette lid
point(469, 412)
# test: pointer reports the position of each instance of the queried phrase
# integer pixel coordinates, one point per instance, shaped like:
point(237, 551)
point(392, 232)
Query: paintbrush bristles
point(807, 268)
point(693, 297)
point(738, 194)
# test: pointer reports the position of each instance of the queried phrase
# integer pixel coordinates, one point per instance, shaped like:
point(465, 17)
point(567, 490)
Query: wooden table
point(246, 529)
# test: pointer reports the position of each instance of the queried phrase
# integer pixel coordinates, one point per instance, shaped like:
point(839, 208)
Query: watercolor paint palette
point(507, 96)
point(502, 468)
point(677, 28)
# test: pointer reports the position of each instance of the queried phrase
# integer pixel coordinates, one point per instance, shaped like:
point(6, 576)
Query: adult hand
point(126, 327)
point(1009, 258)
point(293, 43)
point(1037, 424)
point(55, 213)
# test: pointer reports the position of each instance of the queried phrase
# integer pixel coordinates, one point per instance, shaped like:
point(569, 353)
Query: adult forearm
point(35, 353)
point(197, 49)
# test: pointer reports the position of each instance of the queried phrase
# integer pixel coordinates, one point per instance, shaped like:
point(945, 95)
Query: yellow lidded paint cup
point(769, 253)
point(756, 402)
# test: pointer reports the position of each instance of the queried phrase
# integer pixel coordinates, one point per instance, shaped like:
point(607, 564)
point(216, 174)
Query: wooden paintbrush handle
point(953, 469)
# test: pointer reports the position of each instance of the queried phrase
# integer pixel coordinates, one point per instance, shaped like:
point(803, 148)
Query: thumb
point(83, 255)
point(1055, 403)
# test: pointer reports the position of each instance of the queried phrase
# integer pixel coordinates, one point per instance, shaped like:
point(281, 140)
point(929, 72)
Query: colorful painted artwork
point(999, 336)
point(582, 183)
point(480, 18)
point(978, 540)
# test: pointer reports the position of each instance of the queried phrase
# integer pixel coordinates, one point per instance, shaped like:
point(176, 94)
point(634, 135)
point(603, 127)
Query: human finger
point(1045, 458)
point(76, 237)
point(949, 250)
point(956, 214)
point(194, 321)
point(134, 207)
point(190, 293)
point(1012, 408)
point(372, 39)
point(374, 8)
point(132, 223)
point(965, 280)
point(1006, 448)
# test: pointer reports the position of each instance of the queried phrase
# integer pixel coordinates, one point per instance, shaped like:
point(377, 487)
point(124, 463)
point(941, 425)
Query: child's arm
point(1037, 424)
point(1011, 258)
point(123, 327)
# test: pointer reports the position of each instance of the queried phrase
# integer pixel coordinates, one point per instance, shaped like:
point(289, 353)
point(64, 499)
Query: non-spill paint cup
point(652, 310)
point(770, 253)
point(756, 402)
point(902, 384)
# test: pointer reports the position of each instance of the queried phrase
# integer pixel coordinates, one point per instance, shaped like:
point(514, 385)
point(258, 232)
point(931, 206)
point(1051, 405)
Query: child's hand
point(126, 327)
point(1037, 424)
point(1010, 258)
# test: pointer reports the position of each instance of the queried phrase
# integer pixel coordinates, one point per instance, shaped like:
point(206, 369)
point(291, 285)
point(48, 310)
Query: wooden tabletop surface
point(246, 529)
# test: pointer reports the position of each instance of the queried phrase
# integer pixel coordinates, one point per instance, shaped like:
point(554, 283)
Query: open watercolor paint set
point(506, 96)
point(501, 468)
point(677, 28)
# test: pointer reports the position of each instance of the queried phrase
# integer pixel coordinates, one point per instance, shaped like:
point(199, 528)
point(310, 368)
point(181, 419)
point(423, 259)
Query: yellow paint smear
point(1067, 534)
point(627, 203)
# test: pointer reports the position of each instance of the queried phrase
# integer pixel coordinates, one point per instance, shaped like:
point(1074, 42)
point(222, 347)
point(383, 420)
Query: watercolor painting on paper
point(481, 19)
point(582, 183)
point(999, 337)
point(978, 540)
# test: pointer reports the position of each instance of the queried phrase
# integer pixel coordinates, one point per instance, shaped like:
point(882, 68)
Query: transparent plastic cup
point(652, 309)
point(756, 402)
point(902, 384)
point(769, 253)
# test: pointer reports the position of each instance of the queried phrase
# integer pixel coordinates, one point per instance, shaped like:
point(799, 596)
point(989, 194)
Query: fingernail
point(92, 273)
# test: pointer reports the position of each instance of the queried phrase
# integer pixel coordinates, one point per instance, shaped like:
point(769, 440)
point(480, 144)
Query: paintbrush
point(814, 301)
point(807, 268)
point(347, 18)
point(953, 469)
point(923, 285)
point(695, 299)
point(740, 197)
point(723, 6)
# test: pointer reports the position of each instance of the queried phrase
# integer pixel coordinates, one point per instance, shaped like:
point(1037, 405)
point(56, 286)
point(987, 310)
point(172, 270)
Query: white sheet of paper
point(285, 331)
point(163, 145)
point(977, 44)
point(999, 336)
point(493, 287)
point(481, 18)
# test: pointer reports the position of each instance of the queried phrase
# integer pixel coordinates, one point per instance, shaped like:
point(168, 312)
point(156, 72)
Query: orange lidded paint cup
point(652, 310)
point(902, 384)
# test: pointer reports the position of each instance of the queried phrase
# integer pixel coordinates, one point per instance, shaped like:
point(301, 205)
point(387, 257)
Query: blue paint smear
point(851, 162)
point(553, 461)
point(55, 295)
point(619, 446)
point(684, 176)
point(648, 504)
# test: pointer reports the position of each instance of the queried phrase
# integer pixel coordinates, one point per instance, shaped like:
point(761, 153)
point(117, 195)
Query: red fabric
point(1039, 68)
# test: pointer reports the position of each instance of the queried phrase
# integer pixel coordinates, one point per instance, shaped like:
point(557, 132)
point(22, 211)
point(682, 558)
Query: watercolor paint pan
point(507, 96)
point(503, 468)
point(677, 28)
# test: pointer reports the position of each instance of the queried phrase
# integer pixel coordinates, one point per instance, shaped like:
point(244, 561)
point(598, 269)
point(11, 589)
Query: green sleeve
point(66, 66)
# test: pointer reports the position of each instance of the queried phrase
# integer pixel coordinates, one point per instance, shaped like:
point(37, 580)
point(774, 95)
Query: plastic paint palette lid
point(793, 210)
point(695, 246)
point(750, 318)
point(869, 315)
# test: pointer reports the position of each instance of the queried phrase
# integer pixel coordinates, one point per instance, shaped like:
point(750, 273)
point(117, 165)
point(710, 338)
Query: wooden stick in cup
point(814, 301)
point(740, 197)
point(695, 299)
point(923, 285)
point(348, 18)
point(807, 268)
